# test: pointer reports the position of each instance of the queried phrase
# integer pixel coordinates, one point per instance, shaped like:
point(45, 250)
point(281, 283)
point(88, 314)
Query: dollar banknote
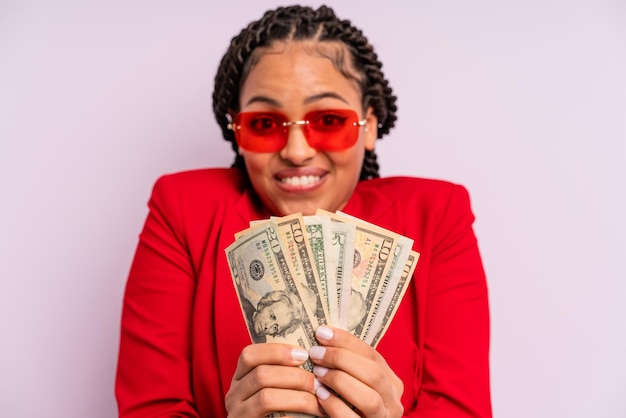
point(392, 277)
point(343, 249)
point(389, 283)
point(293, 235)
point(271, 303)
point(373, 250)
point(319, 232)
point(393, 296)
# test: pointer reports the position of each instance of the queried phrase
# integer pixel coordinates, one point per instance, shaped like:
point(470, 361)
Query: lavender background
point(522, 101)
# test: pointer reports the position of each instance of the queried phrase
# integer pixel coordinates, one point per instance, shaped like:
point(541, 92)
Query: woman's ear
point(371, 129)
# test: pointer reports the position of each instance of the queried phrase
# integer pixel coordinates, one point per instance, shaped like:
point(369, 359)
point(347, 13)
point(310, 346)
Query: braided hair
point(299, 23)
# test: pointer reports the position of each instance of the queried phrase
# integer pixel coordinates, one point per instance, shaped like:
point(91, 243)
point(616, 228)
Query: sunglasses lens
point(332, 130)
point(260, 131)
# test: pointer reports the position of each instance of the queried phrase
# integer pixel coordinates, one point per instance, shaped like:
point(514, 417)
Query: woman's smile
point(300, 179)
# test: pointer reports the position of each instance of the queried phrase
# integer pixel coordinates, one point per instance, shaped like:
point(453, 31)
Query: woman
point(284, 85)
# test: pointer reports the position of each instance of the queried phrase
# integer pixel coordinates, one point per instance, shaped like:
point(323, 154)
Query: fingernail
point(324, 333)
point(322, 393)
point(316, 385)
point(299, 354)
point(320, 371)
point(317, 352)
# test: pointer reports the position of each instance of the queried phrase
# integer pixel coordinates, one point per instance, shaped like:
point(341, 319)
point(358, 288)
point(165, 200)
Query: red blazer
point(183, 330)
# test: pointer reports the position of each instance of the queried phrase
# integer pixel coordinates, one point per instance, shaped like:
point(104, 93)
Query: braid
point(370, 166)
point(303, 23)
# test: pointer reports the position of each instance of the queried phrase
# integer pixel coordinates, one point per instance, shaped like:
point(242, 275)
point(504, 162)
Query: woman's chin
point(289, 208)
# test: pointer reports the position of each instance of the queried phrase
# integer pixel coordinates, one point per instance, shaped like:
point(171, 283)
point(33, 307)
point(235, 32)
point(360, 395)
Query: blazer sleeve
point(153, 374)
point(455, 379)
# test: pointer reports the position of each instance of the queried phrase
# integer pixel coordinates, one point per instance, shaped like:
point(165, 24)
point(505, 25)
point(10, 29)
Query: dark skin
point(268, 379)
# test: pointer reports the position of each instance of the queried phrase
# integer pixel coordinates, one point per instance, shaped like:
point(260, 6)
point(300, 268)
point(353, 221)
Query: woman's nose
point(297, 150)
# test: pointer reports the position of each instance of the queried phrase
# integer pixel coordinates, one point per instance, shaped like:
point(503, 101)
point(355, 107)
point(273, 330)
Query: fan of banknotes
point(297, 272)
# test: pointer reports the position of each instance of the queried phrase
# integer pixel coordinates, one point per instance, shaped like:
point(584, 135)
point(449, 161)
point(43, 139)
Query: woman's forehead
point(336, 51)
point(301, 72)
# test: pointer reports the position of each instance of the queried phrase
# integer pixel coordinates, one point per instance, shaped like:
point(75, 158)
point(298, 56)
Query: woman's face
point(293, 79)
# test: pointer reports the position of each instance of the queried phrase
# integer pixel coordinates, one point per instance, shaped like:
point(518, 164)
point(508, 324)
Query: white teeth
point(301, 181)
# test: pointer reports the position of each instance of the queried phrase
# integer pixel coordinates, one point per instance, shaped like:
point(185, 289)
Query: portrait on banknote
point(277, 314)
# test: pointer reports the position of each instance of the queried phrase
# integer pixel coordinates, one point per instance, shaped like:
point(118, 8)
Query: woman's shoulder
point(201, 190)
point(197, 200)
point(411, 186)
point(398, 196)
point(412, 206)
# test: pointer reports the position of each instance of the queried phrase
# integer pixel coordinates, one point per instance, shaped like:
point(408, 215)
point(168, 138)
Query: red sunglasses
point(324, 130)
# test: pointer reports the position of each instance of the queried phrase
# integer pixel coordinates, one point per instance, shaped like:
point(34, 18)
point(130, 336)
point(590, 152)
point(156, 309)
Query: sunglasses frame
point(285, 124)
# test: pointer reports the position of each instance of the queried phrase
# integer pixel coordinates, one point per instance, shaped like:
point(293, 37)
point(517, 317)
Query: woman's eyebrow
point(263, 99)
point(324, 95)
point(308, 100)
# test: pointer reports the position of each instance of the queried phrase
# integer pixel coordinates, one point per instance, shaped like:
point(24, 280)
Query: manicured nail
point(299, 354)
point(317, 352)
point(322, 393)
point(320, 371)
point(324, 333)
point(316, 385)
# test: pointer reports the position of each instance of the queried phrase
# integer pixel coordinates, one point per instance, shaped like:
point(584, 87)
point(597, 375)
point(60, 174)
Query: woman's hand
point(357, 373)
point(268, 380)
